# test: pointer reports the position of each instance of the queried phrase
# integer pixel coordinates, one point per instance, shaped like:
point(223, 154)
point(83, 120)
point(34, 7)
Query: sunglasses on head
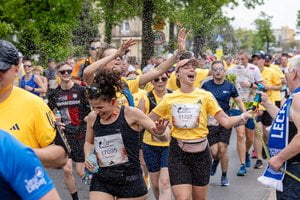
point(94, 48)
point(68, 71)
point(93, 91)
point(4, 70)
point(162, 79)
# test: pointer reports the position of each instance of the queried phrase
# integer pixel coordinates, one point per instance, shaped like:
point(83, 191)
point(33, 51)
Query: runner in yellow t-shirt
point(25, 115)
point(156, 153)
point(188, 109)
point(111, 59)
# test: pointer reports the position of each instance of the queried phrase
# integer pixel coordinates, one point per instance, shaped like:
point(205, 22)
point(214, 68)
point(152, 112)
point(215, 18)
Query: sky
point(284, 13)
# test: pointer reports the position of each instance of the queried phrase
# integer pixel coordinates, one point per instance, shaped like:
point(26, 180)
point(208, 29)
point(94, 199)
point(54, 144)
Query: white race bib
point(212, 121)
point(110, 150)
point(186, 115)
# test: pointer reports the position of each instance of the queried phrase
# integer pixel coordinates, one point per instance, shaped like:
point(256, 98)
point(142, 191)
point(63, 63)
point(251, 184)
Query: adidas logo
point(15, 127)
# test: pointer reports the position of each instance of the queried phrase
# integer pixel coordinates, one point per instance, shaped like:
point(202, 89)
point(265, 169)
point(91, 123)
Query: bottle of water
point(58, 116)
point(88, 175)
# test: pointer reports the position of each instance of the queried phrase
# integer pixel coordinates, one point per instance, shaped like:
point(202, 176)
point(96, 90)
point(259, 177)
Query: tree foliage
point(298, 19)
point(86, 28)
point(263, 36)
point(42, 27)
point(244, 39)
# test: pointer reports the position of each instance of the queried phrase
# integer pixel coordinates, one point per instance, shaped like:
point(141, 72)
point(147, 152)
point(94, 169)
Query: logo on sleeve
point(36, 181)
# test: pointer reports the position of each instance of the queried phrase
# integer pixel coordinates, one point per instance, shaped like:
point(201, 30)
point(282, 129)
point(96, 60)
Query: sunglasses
point(4, 70)
point(218, 69)
point(27, 66)
point(68, 71)
point(93, 91)
point(162, 79)
point(94, 48)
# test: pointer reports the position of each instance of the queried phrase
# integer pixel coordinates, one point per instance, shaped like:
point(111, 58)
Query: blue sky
point(284, 13)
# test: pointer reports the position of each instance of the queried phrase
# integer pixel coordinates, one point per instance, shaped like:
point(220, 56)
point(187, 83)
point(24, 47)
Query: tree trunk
point(147, 37)
point(109, 21)
point(171, 37)
point(199, 41)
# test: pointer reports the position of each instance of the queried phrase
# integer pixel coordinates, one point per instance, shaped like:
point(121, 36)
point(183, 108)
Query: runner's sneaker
point(258, 164)
point(242, 171)
point(224, 181)
point(214, 166)
point(248, 161)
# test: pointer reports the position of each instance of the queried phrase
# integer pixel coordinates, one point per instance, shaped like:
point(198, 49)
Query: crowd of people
point(166, 126)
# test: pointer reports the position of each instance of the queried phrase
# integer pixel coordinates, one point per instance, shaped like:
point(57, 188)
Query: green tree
point(263, 37)
point(86, 28)
point(40, 27)
point(244, 39)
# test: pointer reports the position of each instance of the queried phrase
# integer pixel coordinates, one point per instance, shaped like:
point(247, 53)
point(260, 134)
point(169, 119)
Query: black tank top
point(130, 139)
point(292, 133)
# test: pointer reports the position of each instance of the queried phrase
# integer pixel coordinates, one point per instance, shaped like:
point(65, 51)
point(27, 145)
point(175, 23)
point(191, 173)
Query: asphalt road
point(241, 188)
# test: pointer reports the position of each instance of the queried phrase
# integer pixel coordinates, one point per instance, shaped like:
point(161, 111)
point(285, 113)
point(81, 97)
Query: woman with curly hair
point(113, 131)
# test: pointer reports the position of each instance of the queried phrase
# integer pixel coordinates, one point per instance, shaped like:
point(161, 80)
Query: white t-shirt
point(250, 73)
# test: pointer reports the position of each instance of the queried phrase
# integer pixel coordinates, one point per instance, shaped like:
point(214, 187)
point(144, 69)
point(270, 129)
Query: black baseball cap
point(259, 55)
point(268, 57)
point(8, 55)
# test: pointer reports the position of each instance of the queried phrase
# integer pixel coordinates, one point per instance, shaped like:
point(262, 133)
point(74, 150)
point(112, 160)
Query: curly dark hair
point(105, 85)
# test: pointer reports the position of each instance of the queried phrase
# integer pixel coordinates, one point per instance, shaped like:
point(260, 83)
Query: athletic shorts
point(188, 168)
point(119, 185)
point(155, 157)
point(218, 134)
point(250, 124)
point(265, 119)
point(76, 142)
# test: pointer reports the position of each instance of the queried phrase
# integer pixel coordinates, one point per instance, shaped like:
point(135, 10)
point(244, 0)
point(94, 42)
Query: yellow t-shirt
point(133, 86)
point(28, 118)
point(138, 96)
point(148, 87)
point(147, 139)
point(188, 112)
point(276, 94)
point(271, 78)
point(201, 74)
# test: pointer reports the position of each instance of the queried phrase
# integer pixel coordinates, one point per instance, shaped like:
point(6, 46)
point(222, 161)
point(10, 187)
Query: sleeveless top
point(30, 83)
point(292, 133)
point(105, 137)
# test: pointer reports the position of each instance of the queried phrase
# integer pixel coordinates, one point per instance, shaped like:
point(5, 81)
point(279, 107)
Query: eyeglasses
point(94, 48)
point(218, 69)
point(27, 66)
point(162, 79)
point(68, 71)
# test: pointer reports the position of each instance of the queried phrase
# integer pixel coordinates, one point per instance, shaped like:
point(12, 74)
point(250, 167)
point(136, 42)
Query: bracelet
point(33, 89)
point(251, 85)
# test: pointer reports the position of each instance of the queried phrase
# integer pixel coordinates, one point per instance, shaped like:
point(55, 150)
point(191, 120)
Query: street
point(241, 188)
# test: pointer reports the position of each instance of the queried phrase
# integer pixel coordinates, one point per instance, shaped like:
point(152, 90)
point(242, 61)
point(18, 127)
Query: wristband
point(251, 85)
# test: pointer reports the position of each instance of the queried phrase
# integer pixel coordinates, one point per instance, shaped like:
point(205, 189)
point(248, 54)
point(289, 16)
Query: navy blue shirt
point(22, 175)
point(222, 92)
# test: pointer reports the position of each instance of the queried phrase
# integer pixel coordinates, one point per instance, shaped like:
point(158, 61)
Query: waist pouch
point(118, 176)
point(193, 146)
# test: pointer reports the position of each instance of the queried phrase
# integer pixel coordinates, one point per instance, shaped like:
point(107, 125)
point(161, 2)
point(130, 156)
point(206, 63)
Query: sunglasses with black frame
point(68, 71)
point(162, 79)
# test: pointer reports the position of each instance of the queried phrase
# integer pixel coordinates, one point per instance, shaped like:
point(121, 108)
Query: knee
point(164, 183)
point(223, 150)
point(67, 170)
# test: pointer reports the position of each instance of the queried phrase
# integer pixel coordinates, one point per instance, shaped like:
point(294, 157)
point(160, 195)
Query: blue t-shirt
point(222, 92)
point(22, 175)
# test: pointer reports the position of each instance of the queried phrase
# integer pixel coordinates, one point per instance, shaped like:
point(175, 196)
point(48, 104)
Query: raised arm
point(89, 71)
point(167, 64)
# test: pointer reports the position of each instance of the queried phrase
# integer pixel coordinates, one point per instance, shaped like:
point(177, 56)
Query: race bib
point(110, 150)
point(212, 121)
point(186, 115)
